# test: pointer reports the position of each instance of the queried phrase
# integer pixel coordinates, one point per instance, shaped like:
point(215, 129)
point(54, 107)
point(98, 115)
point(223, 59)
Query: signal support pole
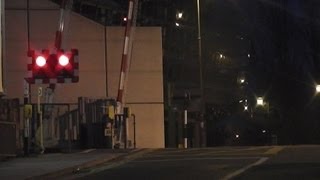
point(27, 120)
point(40, 118)
point(202, 103)
point(185, 128)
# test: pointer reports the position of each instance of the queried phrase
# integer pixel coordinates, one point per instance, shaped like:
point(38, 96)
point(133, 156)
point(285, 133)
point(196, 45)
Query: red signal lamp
point(63, 60)
point(41, 61)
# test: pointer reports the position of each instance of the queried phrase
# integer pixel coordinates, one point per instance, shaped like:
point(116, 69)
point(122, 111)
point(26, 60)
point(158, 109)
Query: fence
point(11, 142)
point(85, 127)
point(65, 126)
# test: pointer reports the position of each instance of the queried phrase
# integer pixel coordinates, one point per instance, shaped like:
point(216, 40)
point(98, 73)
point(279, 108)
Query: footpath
point(50, 166)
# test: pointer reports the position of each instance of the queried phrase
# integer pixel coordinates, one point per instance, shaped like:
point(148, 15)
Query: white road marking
point(242, 170)
point(244, 151)
point(87, 151)
point(195, 159)
point(274, 150)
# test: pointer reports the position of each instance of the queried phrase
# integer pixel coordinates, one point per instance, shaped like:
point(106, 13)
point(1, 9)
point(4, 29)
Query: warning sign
point(28, 111)
point(107, 132)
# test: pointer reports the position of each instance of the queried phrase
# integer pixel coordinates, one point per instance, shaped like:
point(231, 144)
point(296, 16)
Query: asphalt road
point(279, 162)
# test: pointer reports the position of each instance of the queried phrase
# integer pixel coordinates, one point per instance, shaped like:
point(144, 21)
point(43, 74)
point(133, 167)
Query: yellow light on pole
point(260, 101)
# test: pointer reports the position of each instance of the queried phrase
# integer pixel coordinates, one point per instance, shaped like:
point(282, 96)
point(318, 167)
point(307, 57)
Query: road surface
point(276, 162)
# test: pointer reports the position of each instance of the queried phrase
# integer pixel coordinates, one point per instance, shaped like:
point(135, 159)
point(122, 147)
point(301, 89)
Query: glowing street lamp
point(242, 80)
point(179, 15)
point(222, 56)
point(317, 88)
point(260, 101)
point(177, 24)
point(264, 131)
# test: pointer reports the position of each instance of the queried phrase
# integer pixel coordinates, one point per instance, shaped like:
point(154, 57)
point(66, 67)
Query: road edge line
point(89, 164)
point(242, 170)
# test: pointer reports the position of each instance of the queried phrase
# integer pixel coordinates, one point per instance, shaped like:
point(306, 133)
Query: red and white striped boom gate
point(126, 58)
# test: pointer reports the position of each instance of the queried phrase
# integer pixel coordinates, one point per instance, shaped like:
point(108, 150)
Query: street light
point(203, 134)
point(260, 101)
point(317, 88)
point(222, 56)
point(179, 15)
point(177, 24)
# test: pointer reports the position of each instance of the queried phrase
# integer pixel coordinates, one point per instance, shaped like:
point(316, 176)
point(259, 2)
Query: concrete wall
point(145, 86)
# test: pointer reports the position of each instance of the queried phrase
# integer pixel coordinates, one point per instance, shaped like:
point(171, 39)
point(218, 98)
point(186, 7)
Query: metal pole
point(202, 133)
point(40, 119)
point(26, 122)
point(128, 130)
point(134, 131)
point(125, 119)
point(185, 128)
point(112, 132)
point(27, 93)
point(106, 51)
point(69, 129)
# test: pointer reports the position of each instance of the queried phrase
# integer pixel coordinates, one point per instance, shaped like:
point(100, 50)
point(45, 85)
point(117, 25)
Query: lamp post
point(202, 124)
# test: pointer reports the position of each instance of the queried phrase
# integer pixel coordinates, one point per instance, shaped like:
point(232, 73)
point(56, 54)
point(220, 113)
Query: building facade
point(100, 50)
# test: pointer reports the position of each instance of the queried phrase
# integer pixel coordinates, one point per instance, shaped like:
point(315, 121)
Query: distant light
point(179, 15)
point(260, 101)
point(221, 56)
point(237, 136)
point(245, 108)
point(264, 131)
point(177, 24)
point(240, 101)
point(318, 88)
point(125, 19)
point(249, 55)
point(242, 81)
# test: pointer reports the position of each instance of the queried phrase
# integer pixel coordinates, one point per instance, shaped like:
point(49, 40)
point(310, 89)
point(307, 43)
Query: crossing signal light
point(59, 67)
point(41, 61)
point(63, 60)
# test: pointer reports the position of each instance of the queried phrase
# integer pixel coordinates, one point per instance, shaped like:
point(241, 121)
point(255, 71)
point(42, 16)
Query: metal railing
point(10, 132)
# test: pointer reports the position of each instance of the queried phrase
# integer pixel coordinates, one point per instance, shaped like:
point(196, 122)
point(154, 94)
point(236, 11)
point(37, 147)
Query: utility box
point(93, 136)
